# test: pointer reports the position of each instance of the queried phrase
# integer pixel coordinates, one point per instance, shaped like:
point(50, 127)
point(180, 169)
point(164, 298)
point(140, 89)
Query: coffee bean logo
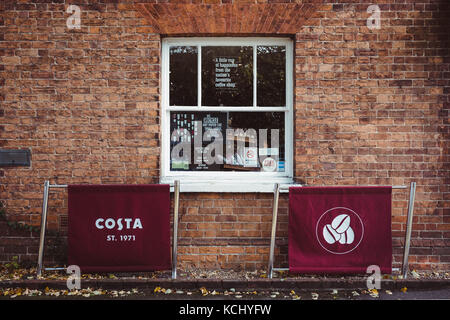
point(339, 230)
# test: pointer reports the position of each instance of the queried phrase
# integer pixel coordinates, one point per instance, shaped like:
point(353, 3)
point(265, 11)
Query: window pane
point(227, 76)
point(183, 76)
point(227, 141)
point(271, 71)
point(264, 138)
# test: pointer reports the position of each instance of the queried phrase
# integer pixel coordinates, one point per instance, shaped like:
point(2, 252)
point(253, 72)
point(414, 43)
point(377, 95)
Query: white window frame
point(225, 181)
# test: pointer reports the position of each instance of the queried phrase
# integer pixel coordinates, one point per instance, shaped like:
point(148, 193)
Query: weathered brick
point(371, 107)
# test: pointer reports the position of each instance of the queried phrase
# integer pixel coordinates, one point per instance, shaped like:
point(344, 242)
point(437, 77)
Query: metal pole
point(43, 227)
point(176, 191)
point(412, 195)
point(276, 195)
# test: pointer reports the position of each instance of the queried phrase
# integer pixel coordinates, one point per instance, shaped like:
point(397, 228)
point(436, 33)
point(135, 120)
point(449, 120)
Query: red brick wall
point(371, 107)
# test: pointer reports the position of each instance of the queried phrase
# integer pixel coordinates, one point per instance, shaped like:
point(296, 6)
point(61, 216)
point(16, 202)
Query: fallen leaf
point(373, 293)
point(404, 289)
point(314, 296)
point(388, 292)
point(204, 291)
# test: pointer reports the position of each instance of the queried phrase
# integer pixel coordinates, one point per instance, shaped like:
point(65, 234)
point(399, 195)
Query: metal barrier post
point(412, 195)
point(43, 227)
point(176, 191)
point(276, 195)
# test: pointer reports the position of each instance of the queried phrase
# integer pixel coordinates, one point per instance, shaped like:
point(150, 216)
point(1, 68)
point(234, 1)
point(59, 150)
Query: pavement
point(187, 298)
point(320, 283)
point(23, 284)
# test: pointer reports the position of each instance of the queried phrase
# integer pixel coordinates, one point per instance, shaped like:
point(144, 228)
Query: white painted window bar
point(47, 186)
point(285, 189)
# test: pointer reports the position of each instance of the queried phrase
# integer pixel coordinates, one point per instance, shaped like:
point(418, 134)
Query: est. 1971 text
point(127, 237)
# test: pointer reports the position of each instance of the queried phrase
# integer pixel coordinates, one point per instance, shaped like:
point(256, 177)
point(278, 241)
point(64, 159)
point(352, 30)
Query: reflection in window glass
point(227, 76)
point(271, 76)
point(183, 76)
point(264, 135)
point(227, 141)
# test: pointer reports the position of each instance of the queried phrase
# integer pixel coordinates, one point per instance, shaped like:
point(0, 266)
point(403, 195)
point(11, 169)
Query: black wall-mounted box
point(15, 158)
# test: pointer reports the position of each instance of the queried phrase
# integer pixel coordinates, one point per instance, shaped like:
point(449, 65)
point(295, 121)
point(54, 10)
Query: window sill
point(188, 184)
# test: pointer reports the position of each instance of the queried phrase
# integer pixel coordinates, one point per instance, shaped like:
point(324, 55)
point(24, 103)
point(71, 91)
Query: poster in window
point(193, 126)
point(227, 76)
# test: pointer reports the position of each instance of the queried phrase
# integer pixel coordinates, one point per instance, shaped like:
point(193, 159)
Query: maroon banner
point(119, 227)
point(339, 229)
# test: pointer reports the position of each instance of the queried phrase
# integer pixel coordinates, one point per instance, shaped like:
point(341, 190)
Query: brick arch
point(230, 18)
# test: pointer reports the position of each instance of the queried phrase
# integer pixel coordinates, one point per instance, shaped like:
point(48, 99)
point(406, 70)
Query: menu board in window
point(191, 127)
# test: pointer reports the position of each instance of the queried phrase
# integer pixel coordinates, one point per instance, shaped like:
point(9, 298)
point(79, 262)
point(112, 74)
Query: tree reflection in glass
point(183, 76)
point(271, 76)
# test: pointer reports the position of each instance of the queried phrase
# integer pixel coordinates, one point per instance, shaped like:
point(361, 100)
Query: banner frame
point(285, 189)
point(47, 186)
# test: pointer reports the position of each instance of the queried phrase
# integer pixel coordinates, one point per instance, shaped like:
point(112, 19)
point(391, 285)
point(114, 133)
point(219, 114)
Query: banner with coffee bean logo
point(339, 229)
point(119, 227)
